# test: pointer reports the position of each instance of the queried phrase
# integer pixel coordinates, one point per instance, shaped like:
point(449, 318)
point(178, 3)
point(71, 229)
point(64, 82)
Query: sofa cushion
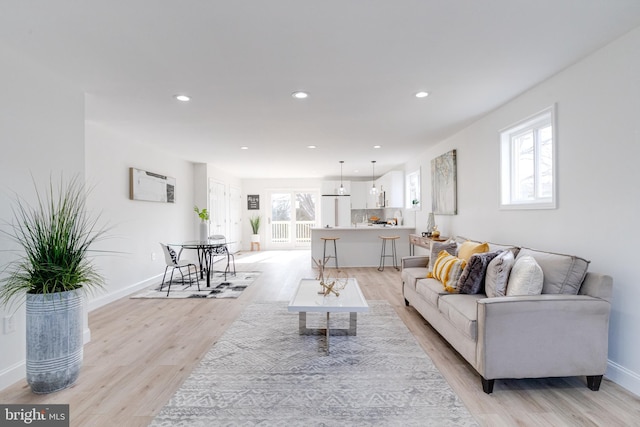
point(563, 274)
point(437, 247)
point(431, 290)
point(472, 279)
point(497, 276)
point(526, 277)
point(462, 312)
point(447, 269)
point(469, 248)
point(412, 274)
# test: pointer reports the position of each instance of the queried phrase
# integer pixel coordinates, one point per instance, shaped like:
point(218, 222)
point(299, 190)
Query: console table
point(423, 242)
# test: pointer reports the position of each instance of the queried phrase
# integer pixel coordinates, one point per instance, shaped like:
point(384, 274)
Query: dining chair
point(173, 261)
point(223, 250)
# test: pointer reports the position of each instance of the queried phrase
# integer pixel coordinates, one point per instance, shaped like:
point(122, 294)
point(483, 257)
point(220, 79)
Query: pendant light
point(373, 190)
point(341, 190)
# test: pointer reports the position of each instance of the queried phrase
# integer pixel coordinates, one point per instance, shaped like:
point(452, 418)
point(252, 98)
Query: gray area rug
point(263, 373)
point(230, 286)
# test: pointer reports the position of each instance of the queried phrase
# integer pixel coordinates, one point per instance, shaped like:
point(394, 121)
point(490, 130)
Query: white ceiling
point(360, 60)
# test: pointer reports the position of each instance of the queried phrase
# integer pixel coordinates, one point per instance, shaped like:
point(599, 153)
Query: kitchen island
point(359, 246)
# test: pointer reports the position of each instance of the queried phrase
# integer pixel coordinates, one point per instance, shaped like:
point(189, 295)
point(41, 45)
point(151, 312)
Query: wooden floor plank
point(142, 350)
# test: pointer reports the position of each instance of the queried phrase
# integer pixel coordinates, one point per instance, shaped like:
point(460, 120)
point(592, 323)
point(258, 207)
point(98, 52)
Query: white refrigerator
point(336, 211)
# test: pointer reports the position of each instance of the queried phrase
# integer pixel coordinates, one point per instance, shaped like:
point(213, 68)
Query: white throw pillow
point(526, 277)
point(497, 276)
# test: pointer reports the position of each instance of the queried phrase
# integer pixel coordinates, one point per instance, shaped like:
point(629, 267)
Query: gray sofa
point(559, 333)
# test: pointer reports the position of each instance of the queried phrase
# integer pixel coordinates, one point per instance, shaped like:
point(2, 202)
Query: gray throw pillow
point(473, 277)
point(497, 277)
point(437, 247)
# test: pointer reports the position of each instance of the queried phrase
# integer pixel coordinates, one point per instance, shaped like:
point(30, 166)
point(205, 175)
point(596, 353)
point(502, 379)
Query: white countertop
point(365, 227)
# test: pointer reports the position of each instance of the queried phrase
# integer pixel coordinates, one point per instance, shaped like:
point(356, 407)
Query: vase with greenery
point(51, 273)
point(255, 228)
point(203, 214)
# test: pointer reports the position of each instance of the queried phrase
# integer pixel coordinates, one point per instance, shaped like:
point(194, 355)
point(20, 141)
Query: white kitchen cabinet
point(361, 197)
point(359, 191)
point(392, 184)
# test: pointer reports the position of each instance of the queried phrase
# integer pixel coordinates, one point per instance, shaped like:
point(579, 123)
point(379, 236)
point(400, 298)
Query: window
point(413, 190)
point(527, 162)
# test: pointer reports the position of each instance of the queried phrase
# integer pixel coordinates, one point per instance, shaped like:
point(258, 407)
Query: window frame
point(408, 196)
point(540, 120)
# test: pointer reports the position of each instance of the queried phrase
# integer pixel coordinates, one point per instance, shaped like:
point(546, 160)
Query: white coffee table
point(307, 299)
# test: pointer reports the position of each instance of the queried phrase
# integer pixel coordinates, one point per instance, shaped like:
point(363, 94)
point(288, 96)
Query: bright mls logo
point(34, 415)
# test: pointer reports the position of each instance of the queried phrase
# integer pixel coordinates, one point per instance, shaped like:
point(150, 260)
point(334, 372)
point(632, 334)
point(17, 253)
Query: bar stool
point(325, 258)
point(383, 252)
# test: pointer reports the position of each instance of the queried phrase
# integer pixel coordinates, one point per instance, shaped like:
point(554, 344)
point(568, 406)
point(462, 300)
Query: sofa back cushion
point(472, 279)
point(497, 276)
point(563, 274)
point(447, 269)
point(526, 277)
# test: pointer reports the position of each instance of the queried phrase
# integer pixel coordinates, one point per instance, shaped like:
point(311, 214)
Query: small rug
point(261, 372)
point(231, 287)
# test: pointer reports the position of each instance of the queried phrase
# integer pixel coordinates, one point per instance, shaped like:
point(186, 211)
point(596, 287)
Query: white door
point(217, 208)
point(292, 214)
point(235, 219)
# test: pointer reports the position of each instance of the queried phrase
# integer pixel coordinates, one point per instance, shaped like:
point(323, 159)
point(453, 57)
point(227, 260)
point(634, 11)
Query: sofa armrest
point(416, 261)
point(542, 336)
point(597, 285)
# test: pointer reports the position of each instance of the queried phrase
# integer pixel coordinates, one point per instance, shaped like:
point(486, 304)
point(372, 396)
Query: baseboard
point(121, 293)
point(623, 377)
point(13, 374)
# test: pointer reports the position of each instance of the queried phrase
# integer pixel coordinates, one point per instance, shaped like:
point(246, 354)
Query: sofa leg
point(593, 382)
point(487, 385)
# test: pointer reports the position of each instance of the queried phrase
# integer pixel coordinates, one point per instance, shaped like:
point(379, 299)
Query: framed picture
point(253, 202)
point(151, 187)
point(443, 184)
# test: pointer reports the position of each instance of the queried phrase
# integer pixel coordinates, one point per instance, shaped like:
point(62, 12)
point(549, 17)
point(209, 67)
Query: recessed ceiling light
point(300, 95)
point(183, 98)
point(244, 147)
point(422, 94)
point(377, 146)
point(312, 146)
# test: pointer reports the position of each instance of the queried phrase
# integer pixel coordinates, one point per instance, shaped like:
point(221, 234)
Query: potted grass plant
point(255, 228)
point(50, 276)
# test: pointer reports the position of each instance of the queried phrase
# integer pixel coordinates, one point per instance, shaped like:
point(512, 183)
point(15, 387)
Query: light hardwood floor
point(143, 349)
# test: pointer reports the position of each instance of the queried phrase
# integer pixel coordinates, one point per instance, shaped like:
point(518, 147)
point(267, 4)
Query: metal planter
point(54, 340)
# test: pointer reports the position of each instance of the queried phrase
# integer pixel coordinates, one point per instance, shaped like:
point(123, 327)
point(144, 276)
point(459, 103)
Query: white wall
point(598, 142)
point(137, 227)
point(41, 135)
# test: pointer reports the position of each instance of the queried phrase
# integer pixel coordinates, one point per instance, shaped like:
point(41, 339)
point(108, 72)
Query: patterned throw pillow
point(173, 255)
point(472, 279)
point(448, 269)
point(437, 247)
point(497, 276)
point(469, 248)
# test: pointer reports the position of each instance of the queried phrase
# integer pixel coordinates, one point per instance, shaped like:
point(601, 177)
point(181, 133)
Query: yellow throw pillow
point(447, 269)
point(469, 248)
